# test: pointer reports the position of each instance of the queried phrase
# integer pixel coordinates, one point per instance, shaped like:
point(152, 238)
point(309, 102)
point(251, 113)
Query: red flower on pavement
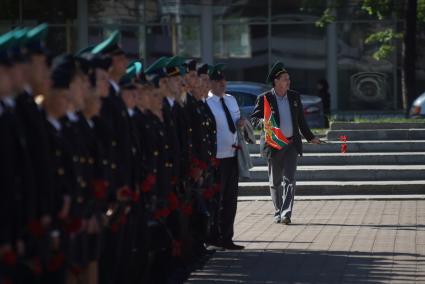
point(177, 248)
point(100, 188)
point(148, 183)
point(36, 229)
point(9, 258)
point(56, 262)
point(343, 138)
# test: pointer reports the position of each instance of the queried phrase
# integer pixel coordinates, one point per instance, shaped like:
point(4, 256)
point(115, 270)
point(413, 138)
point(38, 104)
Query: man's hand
point(315, 140)
point(241, 122)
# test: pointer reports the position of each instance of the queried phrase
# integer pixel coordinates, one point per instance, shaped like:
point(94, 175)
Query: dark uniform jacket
point(35, 131)
point(18, 202)
point(298, 120)
point(116, 123)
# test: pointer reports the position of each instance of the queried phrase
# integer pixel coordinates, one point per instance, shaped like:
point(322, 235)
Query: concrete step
point(349, 173)
point(339, 187)
point(378, 134)
point(358, 146)
point(371, 125)
point(392, 158)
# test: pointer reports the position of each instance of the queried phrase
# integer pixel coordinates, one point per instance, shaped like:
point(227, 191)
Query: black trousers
point(229, 177)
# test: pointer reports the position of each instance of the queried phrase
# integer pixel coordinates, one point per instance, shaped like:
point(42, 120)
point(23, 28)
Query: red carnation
point(124, 193)
point(135, 196)
point(36, 229)
point(162, 213)
point(187, 209)
point(177, 248)
point(100, 187)
point(344, 148)
point(73, 225)
point(148, 183)
point(195, 173)
point(9, 258)
point(208, 193)
point(6, 281)
point(56, 262)
point(343, 138)
point(36, 266)
point(215, 162)
point(173, 202)
point(217, 188)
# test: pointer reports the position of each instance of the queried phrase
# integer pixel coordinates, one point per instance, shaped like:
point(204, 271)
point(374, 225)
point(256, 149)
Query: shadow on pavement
point(296, 266)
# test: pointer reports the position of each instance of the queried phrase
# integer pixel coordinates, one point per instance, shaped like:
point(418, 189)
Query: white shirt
point(171, 101)
point(55, 123)
point(225, 138)
point(72, 116)
point(115, 86)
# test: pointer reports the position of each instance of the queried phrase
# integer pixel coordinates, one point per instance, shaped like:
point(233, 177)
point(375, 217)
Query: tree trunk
point(408, 75)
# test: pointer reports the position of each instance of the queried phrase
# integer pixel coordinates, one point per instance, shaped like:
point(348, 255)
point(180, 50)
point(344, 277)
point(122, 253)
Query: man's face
point(92, 104)
point(218, 87)
point(174, 85)
point(77, 89)
point(119, 64)
point(102, 83)
point(5, 81)
point(156, 100)
point(282, 83)
point(129, 98)
point(19, 77)
point(38, 72)
point(143, 95)
point(191, 79)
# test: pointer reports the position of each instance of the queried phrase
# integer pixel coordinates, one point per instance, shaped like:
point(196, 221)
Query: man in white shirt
point(227, 117)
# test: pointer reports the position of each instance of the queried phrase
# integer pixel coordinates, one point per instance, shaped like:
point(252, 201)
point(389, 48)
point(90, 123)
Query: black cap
point(109, 46)
point(190, 65)
point(203, 68)
point(63, 71)
point(216, 72)
point(34, 42)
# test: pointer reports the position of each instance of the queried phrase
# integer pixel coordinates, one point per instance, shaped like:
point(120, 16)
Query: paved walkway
point(333, 241)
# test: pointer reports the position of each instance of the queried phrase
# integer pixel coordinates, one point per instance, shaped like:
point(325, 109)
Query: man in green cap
point(279, 112)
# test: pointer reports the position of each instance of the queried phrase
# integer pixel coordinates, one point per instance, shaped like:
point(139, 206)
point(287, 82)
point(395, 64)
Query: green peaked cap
point(109, 45)
point(277, 69)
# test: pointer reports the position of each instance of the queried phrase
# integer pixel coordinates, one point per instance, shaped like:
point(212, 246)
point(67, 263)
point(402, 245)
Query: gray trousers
point(282, 168)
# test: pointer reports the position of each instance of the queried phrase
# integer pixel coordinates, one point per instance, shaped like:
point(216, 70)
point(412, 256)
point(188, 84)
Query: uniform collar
point(171, 101)
point(213, 96)
point(55, 123)
point(114, 85)
point(280, 98)
point(72, 116)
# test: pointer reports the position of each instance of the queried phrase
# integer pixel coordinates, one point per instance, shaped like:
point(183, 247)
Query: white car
point(418, 107)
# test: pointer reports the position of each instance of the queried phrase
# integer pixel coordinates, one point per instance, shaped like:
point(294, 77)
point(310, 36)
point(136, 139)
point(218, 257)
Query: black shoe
point(277, 219)
point(286, 221)
point(232, 246)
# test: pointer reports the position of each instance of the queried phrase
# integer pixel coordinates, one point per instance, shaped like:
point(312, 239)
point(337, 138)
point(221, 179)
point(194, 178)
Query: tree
point(412, 12)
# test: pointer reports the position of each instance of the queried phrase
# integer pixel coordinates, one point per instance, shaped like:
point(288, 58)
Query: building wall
point(248, 35)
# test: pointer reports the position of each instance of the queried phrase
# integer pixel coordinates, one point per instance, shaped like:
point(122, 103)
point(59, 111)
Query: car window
point(243, 99)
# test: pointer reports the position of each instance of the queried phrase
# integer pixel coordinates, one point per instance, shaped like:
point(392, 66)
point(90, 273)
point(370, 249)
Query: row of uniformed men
point(108, 169)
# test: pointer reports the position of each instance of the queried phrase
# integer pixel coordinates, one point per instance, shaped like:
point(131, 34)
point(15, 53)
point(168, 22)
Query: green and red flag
point(273, 134)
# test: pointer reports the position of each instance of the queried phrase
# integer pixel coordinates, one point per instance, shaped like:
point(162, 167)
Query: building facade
point(248, 35)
